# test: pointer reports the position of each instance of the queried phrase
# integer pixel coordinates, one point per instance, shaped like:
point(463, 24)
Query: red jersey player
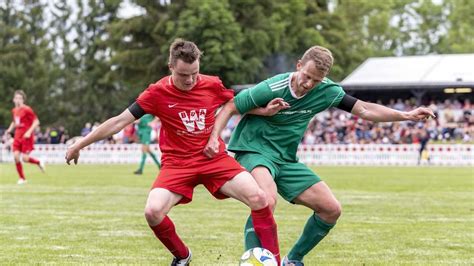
point(24, 122)
point(186, 103)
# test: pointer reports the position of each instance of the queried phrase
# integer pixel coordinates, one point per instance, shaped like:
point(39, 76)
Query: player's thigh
point(161, 200)
point(25, 156)
point(16, 155)
point(242, 187)
point(262, 169)
point(145, 148)
point(319, 198)
point(294, 179)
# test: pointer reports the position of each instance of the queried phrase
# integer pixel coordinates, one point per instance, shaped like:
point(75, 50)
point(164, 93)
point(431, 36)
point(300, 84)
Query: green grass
point(93, 214)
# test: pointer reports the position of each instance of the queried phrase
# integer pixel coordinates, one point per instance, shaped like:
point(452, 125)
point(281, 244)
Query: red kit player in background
point(24, 122)
point(186, 103)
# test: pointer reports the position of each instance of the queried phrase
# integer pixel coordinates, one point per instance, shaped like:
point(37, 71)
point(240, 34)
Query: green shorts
point(291, 179)
point(145, 138)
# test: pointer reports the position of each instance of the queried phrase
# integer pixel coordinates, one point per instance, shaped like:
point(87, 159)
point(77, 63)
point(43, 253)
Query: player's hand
point(72, 153)
point(27, 135)
point(212, 147)
point(420, 113)
point(275, 106)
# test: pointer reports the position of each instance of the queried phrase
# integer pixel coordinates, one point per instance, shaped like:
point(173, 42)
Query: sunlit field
point(89, 214)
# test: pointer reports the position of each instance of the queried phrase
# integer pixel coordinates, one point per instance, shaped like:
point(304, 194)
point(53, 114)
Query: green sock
point(314, 231)
point(142, 163)
point(153, 156)
point(250, 237)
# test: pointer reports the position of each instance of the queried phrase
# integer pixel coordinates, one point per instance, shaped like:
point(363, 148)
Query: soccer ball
point(258, 257)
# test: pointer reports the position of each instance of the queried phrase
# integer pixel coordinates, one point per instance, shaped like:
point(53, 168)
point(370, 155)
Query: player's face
point(307, 77)
point(184, 75)
point(18, 99)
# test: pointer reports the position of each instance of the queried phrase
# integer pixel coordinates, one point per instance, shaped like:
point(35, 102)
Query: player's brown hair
point(321, 56)
point(187, 51)
point(22, 93)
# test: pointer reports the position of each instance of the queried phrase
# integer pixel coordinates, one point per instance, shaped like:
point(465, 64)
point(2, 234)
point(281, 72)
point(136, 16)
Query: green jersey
point(277, 137)
point(143, 124)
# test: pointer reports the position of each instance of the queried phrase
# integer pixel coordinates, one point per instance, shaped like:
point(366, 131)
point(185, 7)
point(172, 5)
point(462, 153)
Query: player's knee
point(25, 158)
point(272, 201)
point(154, 214)
point(257, 200)
point(333, 211)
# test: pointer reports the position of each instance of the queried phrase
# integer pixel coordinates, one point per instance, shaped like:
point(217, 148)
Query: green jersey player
point(266, 144)
point(144, 135)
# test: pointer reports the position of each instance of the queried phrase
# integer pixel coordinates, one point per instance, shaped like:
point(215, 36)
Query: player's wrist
point(406, 115)
point(214, 136)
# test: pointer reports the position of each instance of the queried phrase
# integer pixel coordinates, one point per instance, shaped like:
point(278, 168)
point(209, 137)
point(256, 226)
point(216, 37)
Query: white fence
point(352, 154)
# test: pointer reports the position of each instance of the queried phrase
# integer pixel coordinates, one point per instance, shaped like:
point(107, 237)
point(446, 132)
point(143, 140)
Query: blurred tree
point(140, 45)
point(67, 58)
point(83, 53)
point(25, 58)
point(93, 94)
point(213, 28)
point(458, 35)
point(421, 24)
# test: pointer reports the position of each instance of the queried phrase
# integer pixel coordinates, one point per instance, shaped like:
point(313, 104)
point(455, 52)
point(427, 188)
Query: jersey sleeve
point(147, 100)
point(31, 114)
point(257, 96)
point(224, 94)
point(334, 95)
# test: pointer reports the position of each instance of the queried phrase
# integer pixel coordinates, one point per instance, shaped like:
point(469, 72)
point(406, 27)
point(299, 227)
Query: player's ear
point(299, 64)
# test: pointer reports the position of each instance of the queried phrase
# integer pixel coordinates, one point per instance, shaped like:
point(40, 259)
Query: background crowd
point(454, 123)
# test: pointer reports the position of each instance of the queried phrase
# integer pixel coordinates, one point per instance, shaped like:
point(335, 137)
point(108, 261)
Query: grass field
point(93, 214)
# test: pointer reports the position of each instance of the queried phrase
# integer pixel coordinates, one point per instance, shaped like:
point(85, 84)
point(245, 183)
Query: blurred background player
point(24, 122)
point(144, 135)
point(267, 145)
point(424, 138)
point(186, 103)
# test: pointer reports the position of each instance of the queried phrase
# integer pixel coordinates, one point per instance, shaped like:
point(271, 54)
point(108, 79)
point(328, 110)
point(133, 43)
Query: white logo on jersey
point(172, 105)
point(17, 120)
point(194, 118)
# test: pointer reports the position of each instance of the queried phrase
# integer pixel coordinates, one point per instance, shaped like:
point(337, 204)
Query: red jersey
point(187, 118)
point(23, 118)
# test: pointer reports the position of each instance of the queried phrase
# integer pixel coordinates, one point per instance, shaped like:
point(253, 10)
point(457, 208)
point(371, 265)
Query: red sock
point(166, 233)
point(19, 169)
point(266, 230)
point(33, 161)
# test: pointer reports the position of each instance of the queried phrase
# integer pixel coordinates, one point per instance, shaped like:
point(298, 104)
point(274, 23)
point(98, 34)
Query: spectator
point(86, 129)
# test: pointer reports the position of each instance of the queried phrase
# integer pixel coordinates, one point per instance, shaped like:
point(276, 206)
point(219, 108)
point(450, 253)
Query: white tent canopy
point(413, 72)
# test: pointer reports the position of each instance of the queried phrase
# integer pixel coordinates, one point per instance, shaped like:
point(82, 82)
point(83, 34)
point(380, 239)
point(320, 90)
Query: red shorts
point(212, 173)
point(23, 145)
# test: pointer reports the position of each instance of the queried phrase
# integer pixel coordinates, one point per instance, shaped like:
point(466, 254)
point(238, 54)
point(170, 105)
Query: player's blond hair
point(321, 56)
point(187, 51)
point(22, 93)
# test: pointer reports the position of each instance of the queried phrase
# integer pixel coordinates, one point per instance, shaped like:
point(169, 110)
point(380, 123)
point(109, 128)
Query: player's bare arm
point(106, 129)
point(10, 128)
point(30, 130)
point(228, 110)
point(379, 113)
